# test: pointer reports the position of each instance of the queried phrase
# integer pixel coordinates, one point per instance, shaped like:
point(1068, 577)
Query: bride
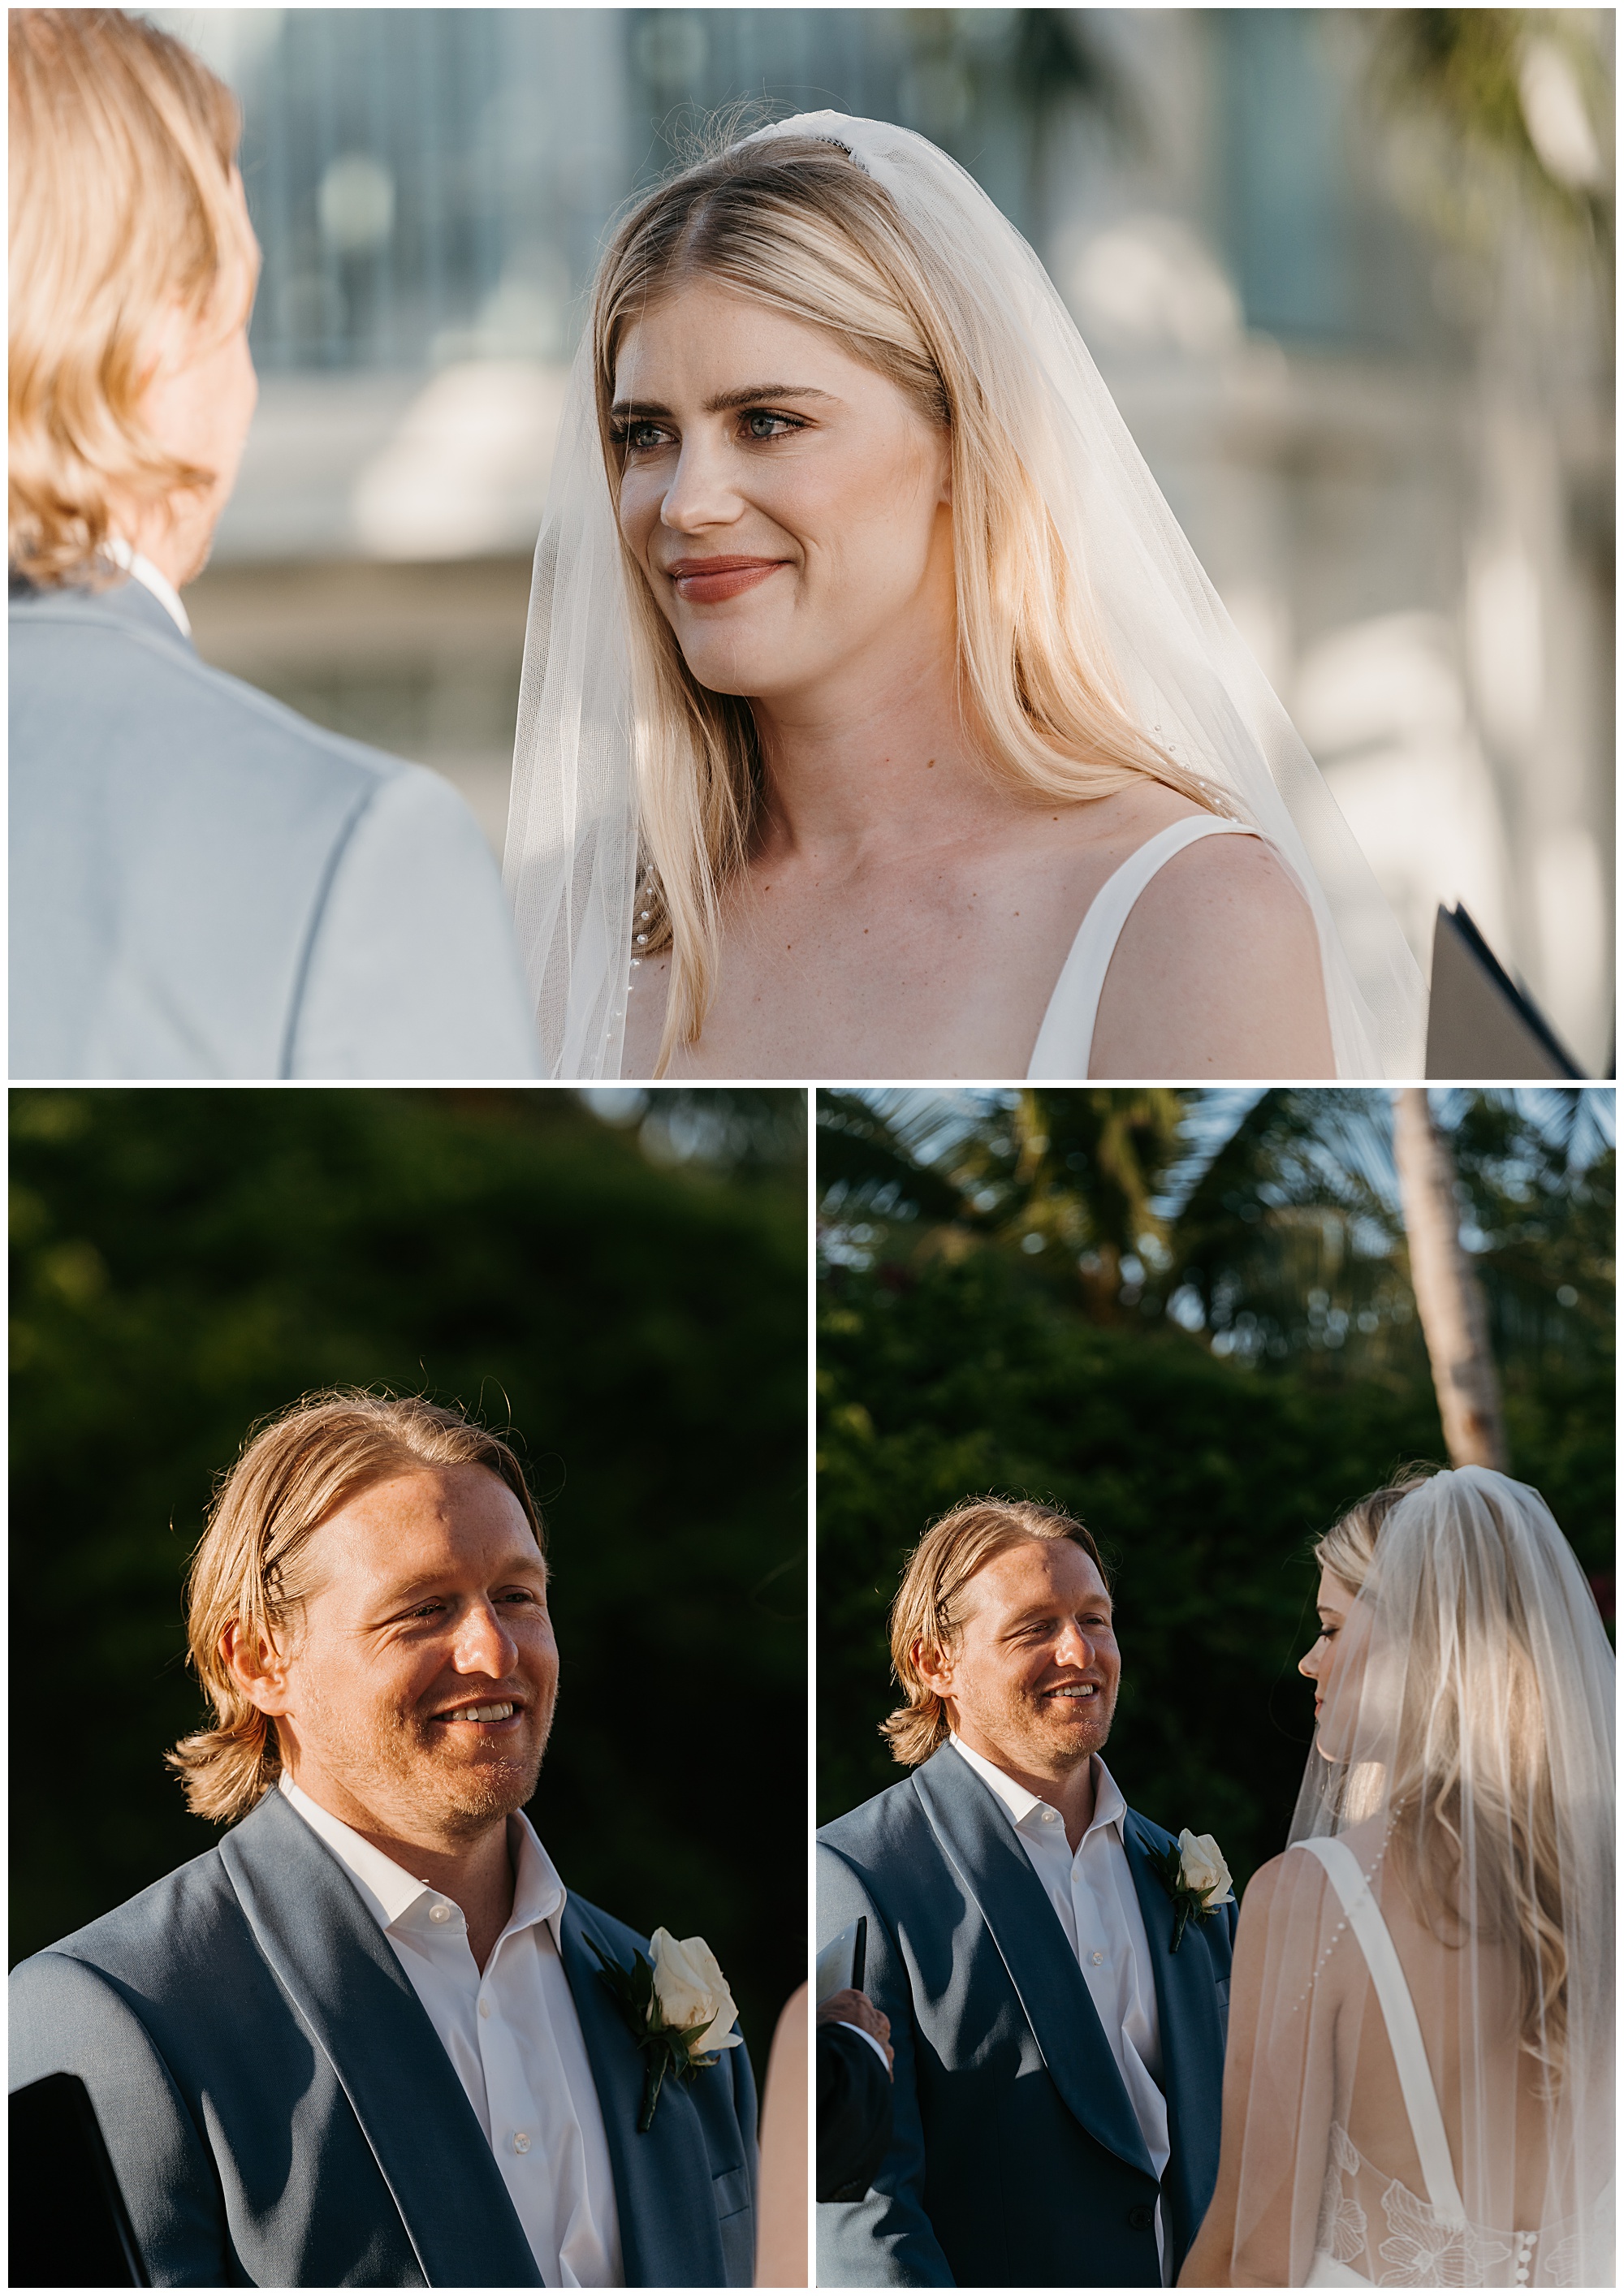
point(877, 719)
point(1418, 2088)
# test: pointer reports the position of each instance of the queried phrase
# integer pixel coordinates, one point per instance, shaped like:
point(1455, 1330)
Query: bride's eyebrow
point(726, 401)
point(626, 410)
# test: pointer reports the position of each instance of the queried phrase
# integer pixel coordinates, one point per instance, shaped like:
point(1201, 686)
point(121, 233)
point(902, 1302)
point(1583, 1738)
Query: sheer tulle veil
point(1464, 1757)
point(573, 856)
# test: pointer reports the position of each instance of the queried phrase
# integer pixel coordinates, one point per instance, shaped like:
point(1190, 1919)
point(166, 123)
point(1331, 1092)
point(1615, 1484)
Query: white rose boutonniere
point(678, 2008)
point(1196, 1879)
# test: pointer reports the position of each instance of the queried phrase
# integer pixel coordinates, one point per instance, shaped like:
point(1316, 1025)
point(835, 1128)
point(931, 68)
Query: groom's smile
point(419, 1694)
point(1032, 1682)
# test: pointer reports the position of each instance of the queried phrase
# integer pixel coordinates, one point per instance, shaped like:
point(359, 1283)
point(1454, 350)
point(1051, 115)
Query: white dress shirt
point(1093, 1894)
point(514, 2038)
point(143, 570)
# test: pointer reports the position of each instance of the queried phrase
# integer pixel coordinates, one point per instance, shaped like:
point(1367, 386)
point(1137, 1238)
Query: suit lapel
point(979, 1844)
point(668, 2235)
point(337, 1967)
point(1192, 2036)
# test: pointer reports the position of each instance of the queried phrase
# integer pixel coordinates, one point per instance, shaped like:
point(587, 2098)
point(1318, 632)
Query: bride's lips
point(707, 581)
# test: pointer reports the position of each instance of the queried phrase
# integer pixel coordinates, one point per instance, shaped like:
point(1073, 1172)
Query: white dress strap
point(1398, 2013)
point(1066, 1039)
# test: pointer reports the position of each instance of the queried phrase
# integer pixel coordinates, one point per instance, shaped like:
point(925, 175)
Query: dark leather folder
point(1482, 1028)
point(70, 2227)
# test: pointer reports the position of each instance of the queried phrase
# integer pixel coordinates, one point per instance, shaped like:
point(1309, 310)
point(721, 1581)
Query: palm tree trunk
point(1449, 1294)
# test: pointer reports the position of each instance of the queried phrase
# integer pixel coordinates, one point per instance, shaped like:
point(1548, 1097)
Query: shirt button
point(1096, 1958)
point(484, 2007)
point(522, 2140)
point(439, 1913)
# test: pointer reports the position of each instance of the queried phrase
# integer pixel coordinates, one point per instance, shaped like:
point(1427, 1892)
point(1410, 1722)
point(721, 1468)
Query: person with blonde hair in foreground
point(370, 2039)
point(203, 884)
point(1055, 1967)
point(1420, 2086)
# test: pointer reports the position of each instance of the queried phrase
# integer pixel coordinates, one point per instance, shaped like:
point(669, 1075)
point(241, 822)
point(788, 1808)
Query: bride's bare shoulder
point(1248, 867)
point(1217, 971)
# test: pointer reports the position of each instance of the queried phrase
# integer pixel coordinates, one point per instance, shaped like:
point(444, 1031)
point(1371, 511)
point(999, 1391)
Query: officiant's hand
point(853, 2008)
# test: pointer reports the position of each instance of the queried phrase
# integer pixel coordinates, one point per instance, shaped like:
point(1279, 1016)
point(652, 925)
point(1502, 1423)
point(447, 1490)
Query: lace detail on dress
point(1343, 2226)
point(1423, 2250)
point(1427, 2250)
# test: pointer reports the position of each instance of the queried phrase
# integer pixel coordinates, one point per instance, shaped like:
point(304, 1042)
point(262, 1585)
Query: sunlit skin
point(1031, 1683)
point(432, 1599)
point(1334, 1665)
point(198, 403)
point(904, 912)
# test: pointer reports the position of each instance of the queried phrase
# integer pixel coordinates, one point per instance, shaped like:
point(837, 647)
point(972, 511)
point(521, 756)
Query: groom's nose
point(1074, 1647)
point(483, 1645)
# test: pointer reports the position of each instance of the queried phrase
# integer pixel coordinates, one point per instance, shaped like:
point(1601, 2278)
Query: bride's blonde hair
point(1498, 1868)
point(795, 223)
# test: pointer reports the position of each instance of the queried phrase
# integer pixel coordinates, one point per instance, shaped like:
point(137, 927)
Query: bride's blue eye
point(770, 426)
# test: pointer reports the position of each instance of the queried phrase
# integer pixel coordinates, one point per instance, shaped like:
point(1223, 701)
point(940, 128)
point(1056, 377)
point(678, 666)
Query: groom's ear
point(934, 1668)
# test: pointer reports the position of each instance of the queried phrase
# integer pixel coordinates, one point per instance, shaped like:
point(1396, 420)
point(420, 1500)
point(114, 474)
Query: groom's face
point(1033, 1681)
point(420, 1690)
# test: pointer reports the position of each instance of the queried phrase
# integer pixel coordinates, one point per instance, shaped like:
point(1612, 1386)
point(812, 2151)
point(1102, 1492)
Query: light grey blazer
point(203, 884)
point(281, 2111)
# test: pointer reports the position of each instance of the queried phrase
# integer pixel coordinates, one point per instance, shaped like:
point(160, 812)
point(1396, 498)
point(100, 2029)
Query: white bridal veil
point(1463, 1783)
point(572, 853)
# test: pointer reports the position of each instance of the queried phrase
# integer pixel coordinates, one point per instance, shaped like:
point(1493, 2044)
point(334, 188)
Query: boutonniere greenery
point(676, 2007)
point(1195, 1877)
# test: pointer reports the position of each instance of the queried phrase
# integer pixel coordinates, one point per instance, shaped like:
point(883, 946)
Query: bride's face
point(1335, 1666)
point(790, 507)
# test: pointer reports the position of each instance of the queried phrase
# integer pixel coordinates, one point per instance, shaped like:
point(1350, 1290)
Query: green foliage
point(185, 1262)
point(1270, 1221)
point(1205, 1480)
point(1460, 70)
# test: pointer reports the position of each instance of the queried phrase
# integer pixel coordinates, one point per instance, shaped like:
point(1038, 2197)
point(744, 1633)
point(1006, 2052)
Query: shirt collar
point(1109, 1806)
point(391, 1894)
point(142, 570)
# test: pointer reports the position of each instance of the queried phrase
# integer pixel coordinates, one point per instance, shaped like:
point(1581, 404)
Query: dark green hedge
point(186, 1261)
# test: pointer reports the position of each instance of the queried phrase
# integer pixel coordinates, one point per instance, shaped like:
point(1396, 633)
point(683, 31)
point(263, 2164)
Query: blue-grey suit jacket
point(203, 884)
point(1016, 2160)
point(281, 2112)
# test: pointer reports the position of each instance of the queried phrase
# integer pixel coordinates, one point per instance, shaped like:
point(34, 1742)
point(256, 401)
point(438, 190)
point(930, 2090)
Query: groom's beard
point(1070, 1728)
point(407, 1772)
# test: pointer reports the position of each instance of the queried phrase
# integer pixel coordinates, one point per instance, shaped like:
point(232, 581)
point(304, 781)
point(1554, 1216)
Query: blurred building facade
point(1388, 439)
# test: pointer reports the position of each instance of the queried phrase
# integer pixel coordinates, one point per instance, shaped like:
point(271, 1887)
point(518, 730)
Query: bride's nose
point(1308, 1663)
point(700, 494)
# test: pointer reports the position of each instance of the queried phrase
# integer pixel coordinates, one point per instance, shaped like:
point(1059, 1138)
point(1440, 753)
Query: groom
point(1058, 2063)
point(368, 2039)
point(203, 884)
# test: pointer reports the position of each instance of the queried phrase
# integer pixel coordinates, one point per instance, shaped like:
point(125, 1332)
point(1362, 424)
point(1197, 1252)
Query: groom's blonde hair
point(122, 156)
point(794, 223)
point(258, 1562)
point(934, 1601)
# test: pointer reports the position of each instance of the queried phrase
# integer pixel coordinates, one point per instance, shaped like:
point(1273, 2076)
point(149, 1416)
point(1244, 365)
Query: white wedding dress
point(1066, 1039)
point(1423, 2243)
